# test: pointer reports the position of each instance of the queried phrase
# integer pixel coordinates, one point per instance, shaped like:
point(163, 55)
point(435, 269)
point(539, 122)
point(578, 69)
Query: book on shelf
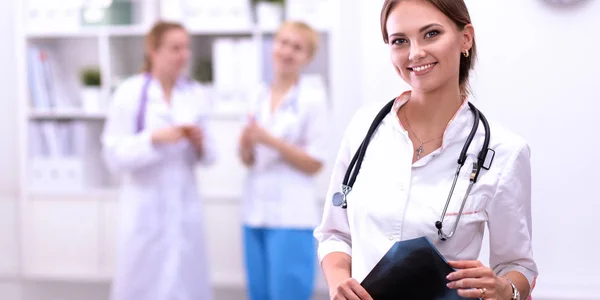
point(47, 89)
point(64, 154)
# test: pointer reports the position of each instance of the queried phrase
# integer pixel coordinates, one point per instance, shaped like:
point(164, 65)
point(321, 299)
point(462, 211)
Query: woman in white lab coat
point(154, 136)
point(284, 146)
point(409, 165)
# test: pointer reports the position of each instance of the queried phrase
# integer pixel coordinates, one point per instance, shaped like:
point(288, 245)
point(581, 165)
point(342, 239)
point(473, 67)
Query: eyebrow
point(420, 30)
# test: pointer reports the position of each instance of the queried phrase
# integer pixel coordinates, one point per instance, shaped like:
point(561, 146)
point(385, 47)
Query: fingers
point(177, 132)
point(359, 290)
point(477, 293)
point(193, 131)
point(471, 273)
point(471, 278)
point(465, 264)
point(344, 291)
point(472, 287)
point(487, 282)
point(351, 290)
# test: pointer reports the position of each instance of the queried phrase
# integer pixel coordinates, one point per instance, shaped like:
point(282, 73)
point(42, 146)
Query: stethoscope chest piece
point(339, 198)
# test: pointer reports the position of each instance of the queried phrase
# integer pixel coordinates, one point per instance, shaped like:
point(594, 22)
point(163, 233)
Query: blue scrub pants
point(280, 263)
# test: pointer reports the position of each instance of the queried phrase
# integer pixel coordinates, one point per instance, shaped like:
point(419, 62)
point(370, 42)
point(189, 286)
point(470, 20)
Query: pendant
point(419, 151)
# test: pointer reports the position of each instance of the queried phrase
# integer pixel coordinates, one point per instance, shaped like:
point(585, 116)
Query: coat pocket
point(474, 204)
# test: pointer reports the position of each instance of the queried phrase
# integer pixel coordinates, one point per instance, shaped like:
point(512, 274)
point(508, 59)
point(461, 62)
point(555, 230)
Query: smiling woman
point(431, 32)
point(407, 169)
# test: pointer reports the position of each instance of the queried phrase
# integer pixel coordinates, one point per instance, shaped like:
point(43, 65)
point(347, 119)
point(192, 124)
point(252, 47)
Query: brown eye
point(399, 41)
point(432, 33)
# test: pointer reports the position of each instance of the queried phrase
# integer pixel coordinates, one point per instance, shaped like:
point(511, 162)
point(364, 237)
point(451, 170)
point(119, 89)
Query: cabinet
point(68, 204)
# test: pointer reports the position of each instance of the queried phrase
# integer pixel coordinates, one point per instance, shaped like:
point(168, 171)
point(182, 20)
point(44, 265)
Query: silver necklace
point(420, 149)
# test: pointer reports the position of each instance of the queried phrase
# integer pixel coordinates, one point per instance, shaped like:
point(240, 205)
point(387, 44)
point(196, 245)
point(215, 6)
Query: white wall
point(537, 73)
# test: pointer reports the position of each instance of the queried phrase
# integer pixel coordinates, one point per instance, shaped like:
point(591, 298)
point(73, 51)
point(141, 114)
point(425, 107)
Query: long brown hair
point(457, 11)
point(154, 38)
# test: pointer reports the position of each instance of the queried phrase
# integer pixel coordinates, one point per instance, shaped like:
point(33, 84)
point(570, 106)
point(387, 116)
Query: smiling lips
point(422, 69)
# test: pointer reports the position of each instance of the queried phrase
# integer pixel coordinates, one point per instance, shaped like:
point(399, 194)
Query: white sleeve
point(509, 219)
point(333, 234)
point(123, 149)
point(316, 135)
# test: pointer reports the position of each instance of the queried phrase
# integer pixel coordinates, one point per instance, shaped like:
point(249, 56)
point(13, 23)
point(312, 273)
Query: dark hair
point(154, 38)
point(457, 11)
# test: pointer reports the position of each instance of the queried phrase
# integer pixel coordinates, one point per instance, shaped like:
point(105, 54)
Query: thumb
point(251, 119)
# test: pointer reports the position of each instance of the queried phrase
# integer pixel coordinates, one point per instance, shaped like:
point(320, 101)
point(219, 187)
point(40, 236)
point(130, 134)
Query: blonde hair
point(154, 38)
point(311, 35)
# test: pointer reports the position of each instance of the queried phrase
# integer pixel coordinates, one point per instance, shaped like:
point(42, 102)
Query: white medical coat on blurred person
point(276, 193)
point(161, 250)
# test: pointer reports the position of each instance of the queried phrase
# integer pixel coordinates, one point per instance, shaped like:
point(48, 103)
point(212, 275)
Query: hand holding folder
point(411, 270)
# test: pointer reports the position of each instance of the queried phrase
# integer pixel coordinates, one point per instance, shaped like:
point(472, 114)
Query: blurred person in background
point(154, 136)
point(284, 145)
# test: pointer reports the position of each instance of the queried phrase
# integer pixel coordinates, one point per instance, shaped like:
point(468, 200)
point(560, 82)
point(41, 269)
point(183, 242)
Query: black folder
point(411, 270)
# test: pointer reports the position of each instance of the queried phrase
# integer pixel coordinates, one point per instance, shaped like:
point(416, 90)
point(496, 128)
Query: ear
point(150, 52)
point(468, 34)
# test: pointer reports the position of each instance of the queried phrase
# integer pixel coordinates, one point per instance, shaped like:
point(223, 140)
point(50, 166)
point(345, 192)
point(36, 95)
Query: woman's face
point(426, 45)
point(173, 53)
point(290, 51)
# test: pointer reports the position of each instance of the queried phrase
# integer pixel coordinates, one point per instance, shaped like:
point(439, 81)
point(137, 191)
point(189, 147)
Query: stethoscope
point(339, 198)
point(142, 104)
point(141, 114)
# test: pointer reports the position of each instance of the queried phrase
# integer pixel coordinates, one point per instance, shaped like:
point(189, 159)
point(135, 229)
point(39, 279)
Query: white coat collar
point(462, 119)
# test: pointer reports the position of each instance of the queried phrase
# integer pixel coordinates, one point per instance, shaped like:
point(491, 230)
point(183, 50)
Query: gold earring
point(466, 54)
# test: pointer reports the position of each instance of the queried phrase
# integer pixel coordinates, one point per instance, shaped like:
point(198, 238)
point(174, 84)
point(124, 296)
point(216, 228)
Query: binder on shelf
point(317, 13)
point(45, 15)
point(45, 81)
point(236, 67)
point(213, 16)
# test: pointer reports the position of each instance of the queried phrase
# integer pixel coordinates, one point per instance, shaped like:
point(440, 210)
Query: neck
point(283, 82)
point(166, 82)
point(433, 109)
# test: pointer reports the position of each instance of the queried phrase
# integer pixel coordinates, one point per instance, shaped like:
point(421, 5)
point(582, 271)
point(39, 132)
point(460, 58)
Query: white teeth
point(421, 68)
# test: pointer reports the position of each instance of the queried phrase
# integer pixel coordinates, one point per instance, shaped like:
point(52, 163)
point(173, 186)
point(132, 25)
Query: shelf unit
point(69, 234)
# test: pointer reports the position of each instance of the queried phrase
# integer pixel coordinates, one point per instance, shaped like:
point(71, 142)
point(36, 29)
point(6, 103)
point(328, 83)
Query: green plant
point(90, 76)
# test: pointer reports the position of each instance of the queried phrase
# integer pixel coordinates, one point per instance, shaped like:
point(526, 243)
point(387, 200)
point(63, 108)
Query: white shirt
point(394, 199)
point(276, 193)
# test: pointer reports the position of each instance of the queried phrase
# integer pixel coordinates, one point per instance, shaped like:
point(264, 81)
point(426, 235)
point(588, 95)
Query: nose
point(416, 52)
point(287, 50)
